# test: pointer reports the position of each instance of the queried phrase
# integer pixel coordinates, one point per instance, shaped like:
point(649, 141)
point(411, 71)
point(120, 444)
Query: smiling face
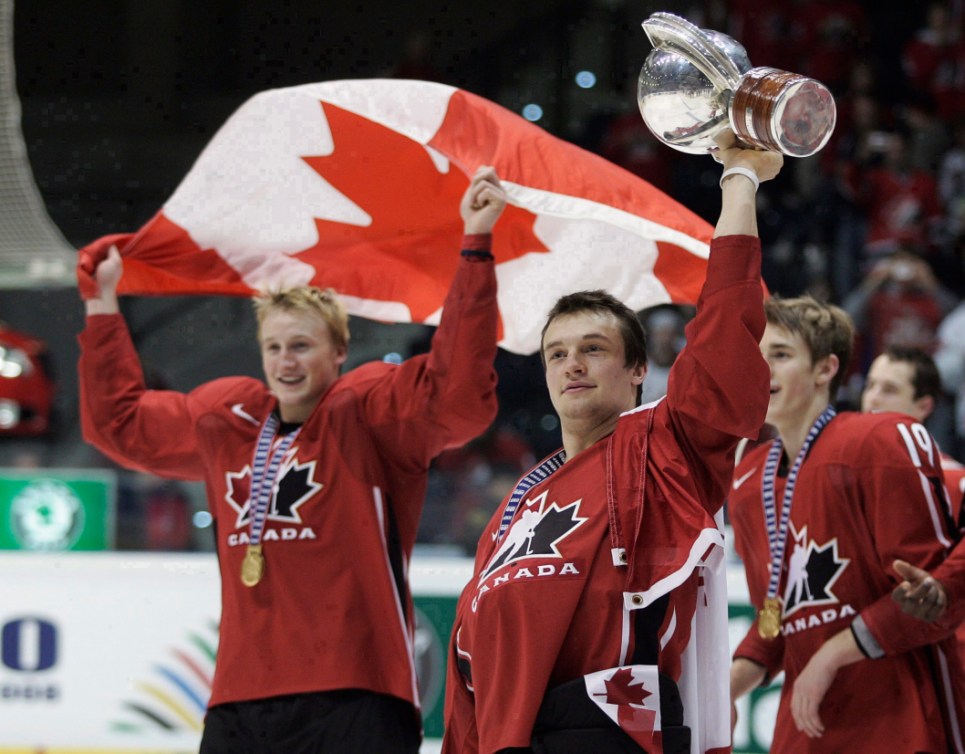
point(800, 388)
point(586, 375)
point(300, 360)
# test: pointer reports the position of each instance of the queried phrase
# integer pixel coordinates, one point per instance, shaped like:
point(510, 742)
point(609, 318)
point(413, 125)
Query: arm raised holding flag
point(305, 185)
point(316, 481)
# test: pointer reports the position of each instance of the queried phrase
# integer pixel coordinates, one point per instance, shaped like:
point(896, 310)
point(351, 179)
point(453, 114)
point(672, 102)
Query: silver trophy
point(697, 82)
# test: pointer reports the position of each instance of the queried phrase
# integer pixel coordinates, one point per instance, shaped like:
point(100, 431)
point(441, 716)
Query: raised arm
point(447, 397)
point(718, 386)
point(147, 430)
point(738, 212)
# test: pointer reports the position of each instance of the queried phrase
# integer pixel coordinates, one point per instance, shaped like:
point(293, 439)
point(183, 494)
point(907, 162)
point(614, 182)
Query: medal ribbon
point(777, 535)
point(263, 474)
point(524, 485)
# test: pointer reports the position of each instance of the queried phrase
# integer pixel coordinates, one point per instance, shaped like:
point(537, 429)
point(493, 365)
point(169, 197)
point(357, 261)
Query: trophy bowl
point(679, 103)
point(697, 82)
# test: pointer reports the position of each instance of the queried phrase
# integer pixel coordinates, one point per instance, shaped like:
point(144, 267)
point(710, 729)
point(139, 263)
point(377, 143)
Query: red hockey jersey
point(869, 491)
point(333, 609)
point(955, 486)
point(553, 600)
point(952, 575)
point(952, 572)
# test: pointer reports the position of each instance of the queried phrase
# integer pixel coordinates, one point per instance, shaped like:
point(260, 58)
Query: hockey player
point(854, 492)
point(906, 380)
point(316, 483)
point(602, 625)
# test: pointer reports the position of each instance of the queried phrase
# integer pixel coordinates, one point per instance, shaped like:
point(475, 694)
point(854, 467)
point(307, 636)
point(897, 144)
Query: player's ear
point(925, 405)
point(826, 369)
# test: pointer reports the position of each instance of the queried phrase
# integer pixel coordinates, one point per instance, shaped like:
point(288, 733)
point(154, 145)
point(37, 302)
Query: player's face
point(585, 371)
point(889, 388)
point(799, 388)
point(300, 361)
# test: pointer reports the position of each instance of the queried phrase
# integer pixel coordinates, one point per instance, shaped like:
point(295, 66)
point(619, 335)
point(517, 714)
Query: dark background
point(120, 96)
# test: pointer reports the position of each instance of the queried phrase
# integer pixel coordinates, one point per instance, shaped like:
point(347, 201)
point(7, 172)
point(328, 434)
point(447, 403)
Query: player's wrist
point(103, 304)
point(740, 171)
point(477, 246)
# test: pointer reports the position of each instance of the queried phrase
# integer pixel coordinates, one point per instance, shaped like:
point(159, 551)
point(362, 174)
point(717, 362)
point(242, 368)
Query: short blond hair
point(307, 299)
point(825, 329)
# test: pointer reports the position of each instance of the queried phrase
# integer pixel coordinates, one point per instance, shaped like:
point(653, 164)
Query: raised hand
point(106, 275)
point(732, 154)
point(483, 202)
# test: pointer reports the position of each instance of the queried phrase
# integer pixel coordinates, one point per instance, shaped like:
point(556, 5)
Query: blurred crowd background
point(118, 99)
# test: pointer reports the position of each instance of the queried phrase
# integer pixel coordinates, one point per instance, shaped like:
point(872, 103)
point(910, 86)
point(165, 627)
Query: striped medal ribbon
point(263, 473)
point(769, 617)
point(524, 485)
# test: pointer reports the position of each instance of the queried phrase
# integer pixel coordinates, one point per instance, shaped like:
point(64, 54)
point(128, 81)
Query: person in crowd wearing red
point(900, 200)
point(900, 302)
point(934, 59)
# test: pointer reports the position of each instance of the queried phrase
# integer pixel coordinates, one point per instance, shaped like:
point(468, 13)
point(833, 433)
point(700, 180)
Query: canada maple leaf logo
point(295, 485)
point(536, 533)
point(630, 696)
point(812, 571)
point(412, 194)
point(621, 688)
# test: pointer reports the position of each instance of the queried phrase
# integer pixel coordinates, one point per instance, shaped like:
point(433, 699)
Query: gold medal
point(253, 566)
point(769, 618)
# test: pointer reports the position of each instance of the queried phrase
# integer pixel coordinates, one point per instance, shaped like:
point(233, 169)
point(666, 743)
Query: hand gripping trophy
point(697, 82)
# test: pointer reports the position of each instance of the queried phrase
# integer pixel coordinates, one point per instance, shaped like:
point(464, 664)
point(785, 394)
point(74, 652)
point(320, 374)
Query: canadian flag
point(355, 185)
point(630, 696)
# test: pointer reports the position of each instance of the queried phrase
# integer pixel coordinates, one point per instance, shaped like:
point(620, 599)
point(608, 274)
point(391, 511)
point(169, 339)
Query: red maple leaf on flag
point(409, 250)
point(376, 215)
point(629, 696)
point(468, 134)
